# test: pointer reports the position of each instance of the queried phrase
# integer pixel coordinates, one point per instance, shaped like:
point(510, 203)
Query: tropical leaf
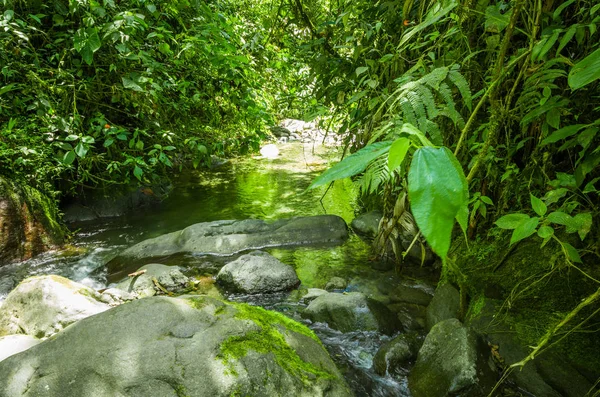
point(353, 164)
point(436, 192)
point(585, 71)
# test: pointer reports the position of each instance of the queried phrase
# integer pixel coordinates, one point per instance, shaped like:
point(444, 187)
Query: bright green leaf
point(361, 70)
point(353, 164)
point(524, 230)
point(545, 232)
point(81, 149)
point(436, 190)
point(560, 218)
point(138, 172)
point(68, 158)
point(398, 152)
point(538, 205)
point(511, 221)
point(487, 200)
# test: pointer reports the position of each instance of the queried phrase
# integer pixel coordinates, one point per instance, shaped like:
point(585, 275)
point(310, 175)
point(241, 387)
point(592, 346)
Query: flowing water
point(242, 189)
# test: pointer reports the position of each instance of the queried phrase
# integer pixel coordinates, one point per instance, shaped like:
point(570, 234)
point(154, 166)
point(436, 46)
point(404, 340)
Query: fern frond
point(434, 78)
point(428, 100)
point(408, 111)
point(463, 86)
point(432, 130)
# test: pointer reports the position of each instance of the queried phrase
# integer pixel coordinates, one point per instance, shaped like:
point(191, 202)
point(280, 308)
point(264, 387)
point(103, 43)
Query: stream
point(241, 189)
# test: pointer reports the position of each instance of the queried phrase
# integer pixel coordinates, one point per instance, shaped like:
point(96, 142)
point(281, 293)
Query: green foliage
point(114, 91)
point(436, 188)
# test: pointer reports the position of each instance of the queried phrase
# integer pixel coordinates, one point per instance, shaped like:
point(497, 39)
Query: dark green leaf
point(585, 71)
point(524, 230)
point(436, 190)
point(69, 157)
point(511, 221)
point(487, 200)
point(108, 142)
point(352, 164)
point(584, 223)
point(563, 133)
point(361, 70)
point(572, 253)
point(138, 172)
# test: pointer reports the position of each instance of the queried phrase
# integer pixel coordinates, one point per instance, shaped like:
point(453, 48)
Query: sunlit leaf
point(398, 152)
point(436, 192)
point(353, 164)
point(538, 205)
point(524, 230)
point(511, 221)
point(545, 232)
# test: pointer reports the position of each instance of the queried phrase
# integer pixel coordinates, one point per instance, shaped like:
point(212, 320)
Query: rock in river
point(450, 363)
point(168, 277)
point(230, 237)
point(351, 312)
point(42, 306)
point(161, 346)
point(256, 273)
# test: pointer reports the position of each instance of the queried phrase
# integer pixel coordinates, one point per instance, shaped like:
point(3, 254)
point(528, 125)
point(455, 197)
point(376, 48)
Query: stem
point(548, 336)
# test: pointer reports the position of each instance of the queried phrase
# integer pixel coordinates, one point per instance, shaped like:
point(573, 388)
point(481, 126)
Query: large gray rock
point(161, 346)
point(13, 344)
point(451, 362)
point(444, 305)
point(258, 272)
point(367, 224)
point(143, 286)
point(547, 375)
point(42, 306)
point(351, 312)
point(395, 356)
point(230, 237)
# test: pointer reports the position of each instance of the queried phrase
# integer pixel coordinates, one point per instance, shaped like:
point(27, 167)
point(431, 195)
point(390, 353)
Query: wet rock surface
point(351, 311)
point(257, 272)
point(193, 346)
point(452, 362)
point(154, 279)
point(230, 237)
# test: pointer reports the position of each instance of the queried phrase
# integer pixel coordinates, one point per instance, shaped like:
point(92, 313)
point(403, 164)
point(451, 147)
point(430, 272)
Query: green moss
point(271, 340)
point(476, 306)
point(266, 318)
point(181, 391)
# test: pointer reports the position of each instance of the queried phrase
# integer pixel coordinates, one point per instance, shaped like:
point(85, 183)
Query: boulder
point(280, 132)
point(367, 224)
point(169, 278)
point(336, 283)
point(414, 293)
point(161, 346)
point(115, 296)
point(257, 272)
point(451, 362)
point(312, 294)
point(231, 237)
point(352, 311)
point(44, 305)
point(547, 375)
point(395, 356)
point(28, 223)
point(13, 344)
point(444, 305)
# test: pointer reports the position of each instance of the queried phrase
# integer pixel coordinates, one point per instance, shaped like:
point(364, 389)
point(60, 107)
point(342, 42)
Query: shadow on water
point(242, 189)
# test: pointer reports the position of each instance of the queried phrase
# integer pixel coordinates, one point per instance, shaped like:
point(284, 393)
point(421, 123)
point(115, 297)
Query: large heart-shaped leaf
point(86, 43)
point(436, 189)
point(352, 164)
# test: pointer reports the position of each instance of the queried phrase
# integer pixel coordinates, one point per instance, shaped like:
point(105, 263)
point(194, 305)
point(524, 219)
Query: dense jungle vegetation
point(481, 113)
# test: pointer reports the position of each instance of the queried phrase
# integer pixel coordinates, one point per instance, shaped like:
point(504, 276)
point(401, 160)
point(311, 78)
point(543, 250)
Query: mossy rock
point(29, 222)
point(189, 346)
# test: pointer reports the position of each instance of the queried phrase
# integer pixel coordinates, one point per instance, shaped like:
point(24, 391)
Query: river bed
point(240, 189)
